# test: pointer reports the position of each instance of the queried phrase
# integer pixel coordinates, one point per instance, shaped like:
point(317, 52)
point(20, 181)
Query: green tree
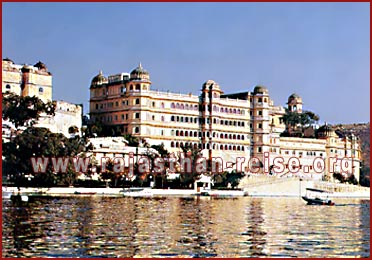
point(193, 154)
point(24, 111)
point(40, 142)
point(297, 122)
point(132, 140)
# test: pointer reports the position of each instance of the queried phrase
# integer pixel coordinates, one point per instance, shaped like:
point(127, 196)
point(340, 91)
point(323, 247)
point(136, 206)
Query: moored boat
point(317, 197)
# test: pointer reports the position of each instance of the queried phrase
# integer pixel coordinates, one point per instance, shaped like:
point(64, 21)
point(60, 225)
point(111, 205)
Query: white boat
point(137, 192)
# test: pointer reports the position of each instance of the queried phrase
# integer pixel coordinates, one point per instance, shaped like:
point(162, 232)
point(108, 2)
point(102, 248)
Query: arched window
point(182, 106)
point(8, 86)
point(177, 133)
point(162, 118)
point(187, 107)
point(172, 144)
point(138, 87)
point(221, 147)
point(181, 133)
point(177, 106)
point(172, 105)
point(186, 133)
point(136, 130)
point(177, 145)
point(41, 90)
point(162, 105)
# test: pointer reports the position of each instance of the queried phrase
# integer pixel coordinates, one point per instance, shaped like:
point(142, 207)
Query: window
point(116, 117)
point(41, 90)
point(260, 112)
point(259, 149)
point(153, 118)
point(259, 100)
point(162, 118)
point(136, 130)
point(122, 116)
point(117, 103)
point(96, 106)
point(162, 105)
point(8, 86)
point(138, 87)
point(137, 101)
point(153, 104)
point(259, 126)
point(137, 115)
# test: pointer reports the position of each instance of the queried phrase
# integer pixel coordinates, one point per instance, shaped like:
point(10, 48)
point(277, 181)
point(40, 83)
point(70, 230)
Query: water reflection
point(178, 227)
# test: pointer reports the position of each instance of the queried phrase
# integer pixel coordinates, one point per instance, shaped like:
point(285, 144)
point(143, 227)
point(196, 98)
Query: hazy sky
point(320, 51)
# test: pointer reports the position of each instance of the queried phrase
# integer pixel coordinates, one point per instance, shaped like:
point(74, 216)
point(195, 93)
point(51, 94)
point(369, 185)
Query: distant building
point(228, 126)
point(36, 80)
point(26, 80)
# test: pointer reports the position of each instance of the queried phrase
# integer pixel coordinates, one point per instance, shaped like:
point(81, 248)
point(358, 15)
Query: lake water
point(185, 227)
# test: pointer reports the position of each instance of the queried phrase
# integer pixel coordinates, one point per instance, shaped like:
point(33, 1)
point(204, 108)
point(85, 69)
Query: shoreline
point(149, 192)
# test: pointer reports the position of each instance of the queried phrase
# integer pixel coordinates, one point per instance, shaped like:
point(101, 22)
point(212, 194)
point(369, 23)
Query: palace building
point(36, 80)
point(26, 80)
point(228, 126)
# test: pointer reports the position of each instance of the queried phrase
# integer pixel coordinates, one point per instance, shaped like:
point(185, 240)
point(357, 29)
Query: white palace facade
point(228, 126)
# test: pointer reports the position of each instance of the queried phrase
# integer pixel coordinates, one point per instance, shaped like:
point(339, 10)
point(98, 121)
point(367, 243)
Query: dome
point(8, 60)
point(40, 66)
point(139, 73)
point(260, 90)
point(212, 85)
point(294, 96)
point(99, 79)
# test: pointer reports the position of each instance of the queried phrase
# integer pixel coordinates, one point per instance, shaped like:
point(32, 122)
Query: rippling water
point(185, 227)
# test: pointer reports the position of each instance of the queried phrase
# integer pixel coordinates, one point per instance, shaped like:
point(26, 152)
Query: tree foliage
point(24, 111)
point(296, 122)
point(39, 142)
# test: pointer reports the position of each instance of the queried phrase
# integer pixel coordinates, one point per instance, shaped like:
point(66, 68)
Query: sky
point(321, 51)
